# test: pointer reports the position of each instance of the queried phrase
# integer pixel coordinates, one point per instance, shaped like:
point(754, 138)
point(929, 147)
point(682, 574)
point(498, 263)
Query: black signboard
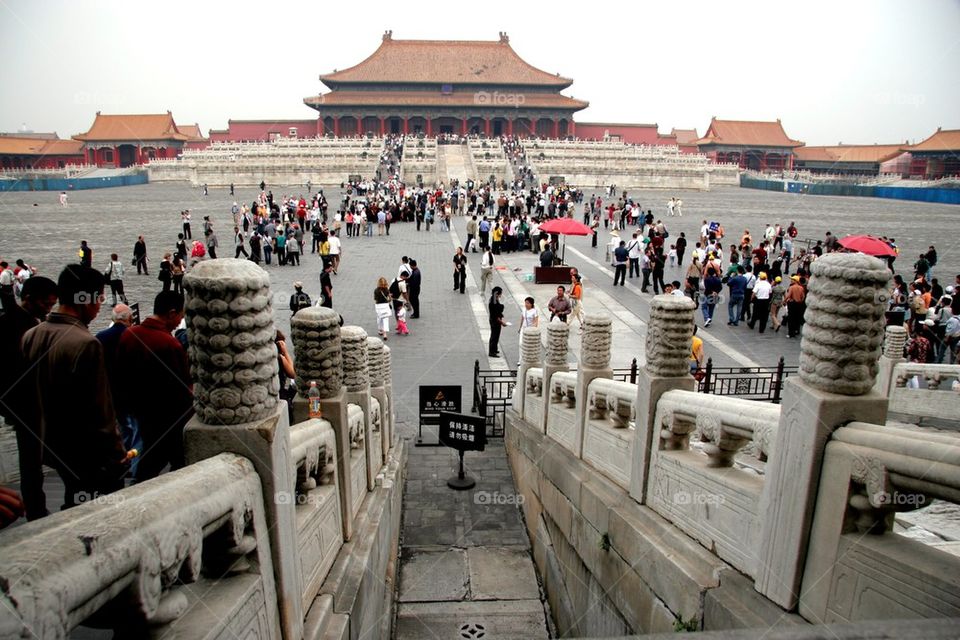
point(435, 398)
point(463, 432)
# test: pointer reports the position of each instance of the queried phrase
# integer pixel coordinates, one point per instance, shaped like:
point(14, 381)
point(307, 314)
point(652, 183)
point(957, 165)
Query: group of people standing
point(96, 408)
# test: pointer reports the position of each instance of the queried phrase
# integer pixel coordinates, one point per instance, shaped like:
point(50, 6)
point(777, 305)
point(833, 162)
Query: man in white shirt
point(761, 302)
point(404, 267)
point(486, 269)
point(335, 250)
point(635, 249)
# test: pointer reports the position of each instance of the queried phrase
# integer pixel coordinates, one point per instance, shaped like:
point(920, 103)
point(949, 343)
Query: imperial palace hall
point(445, 87)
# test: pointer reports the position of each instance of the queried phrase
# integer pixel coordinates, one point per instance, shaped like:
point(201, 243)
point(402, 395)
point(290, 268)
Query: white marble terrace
point(799, 497)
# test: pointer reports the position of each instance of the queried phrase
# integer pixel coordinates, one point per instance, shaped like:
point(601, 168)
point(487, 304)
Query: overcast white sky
point(856, 72)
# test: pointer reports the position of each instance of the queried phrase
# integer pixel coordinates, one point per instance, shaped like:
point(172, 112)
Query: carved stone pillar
point(667, 352)
point(594, 363)
point(233, 362)
point(356, 378)
point(894, 340)
point(844, 326)
point(391, 420)
point(558, 336)
point(375, 357)
point(530, 355)
point(317, 358)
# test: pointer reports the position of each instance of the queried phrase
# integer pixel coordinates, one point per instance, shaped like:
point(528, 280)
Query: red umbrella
point(870, 245)
point(566, 226)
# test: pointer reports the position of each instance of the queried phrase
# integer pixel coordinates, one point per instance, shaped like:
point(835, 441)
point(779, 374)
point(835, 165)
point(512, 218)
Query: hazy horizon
point(852, 72)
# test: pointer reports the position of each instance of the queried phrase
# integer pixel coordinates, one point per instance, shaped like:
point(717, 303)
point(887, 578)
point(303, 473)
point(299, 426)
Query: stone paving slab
point(431, 576)
point(490, 620)
point(501, 573)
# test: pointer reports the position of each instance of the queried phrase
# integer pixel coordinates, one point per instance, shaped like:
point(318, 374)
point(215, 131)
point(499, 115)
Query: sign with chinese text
point(437, 398)
point(463, 432)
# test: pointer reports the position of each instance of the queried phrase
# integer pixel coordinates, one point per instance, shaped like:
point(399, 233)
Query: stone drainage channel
point(466, 569)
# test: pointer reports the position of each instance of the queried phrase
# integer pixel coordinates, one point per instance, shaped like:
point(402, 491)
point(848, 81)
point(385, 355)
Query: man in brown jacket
point(73, 413)
point(795, 299)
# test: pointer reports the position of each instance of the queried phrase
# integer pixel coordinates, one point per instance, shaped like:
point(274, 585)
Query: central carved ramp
point(455, 160)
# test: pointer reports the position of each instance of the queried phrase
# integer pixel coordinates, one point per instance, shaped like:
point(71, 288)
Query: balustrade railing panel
point(703, 492)
point(185, 554)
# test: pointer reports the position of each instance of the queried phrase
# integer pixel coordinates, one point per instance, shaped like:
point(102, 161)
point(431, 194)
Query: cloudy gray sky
point(856, 72)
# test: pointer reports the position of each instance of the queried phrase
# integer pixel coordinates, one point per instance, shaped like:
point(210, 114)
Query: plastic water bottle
point(313, 400)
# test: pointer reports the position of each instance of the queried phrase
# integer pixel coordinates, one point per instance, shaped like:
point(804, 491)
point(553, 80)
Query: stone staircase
point(454, 163)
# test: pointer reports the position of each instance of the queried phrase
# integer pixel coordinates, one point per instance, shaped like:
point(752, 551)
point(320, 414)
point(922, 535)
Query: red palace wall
point(238, 130)
point(629, 133)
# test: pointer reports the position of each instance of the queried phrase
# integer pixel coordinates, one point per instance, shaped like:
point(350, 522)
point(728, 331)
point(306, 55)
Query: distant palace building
point(438, 86)
point(122, 140)
point(761, 146)
point(29, 150)
point(853, 159)
point(937, 156)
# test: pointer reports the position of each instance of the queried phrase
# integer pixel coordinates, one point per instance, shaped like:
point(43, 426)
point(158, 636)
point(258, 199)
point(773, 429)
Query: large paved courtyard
point(451, 334)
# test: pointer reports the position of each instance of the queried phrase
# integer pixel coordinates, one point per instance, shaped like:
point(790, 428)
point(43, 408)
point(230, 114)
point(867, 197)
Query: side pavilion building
point(751, 144)
point(438, 87)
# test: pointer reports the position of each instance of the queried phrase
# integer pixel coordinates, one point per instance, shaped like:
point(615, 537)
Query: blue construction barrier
point(72, 184)
point(920, 194)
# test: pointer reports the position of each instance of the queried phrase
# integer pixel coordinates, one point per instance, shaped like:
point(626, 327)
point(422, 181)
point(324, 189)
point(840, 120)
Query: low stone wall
point(628, 568)
point(628, 180)
point(651, 506)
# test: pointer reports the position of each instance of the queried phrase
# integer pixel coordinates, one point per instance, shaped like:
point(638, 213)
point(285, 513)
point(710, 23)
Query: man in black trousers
point(413, 287)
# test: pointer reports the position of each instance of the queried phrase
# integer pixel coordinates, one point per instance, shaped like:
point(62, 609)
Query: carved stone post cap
point(597, 338)
point(352, 333)
point(226, 274)
point(597, 321)
point(844, 323)
point(670, 302)
point(558, 327)
point(314, 316)
point(668, 336)
point(851, 266)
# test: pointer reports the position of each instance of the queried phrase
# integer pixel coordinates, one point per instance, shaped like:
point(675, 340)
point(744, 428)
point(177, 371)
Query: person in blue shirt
point(738, 289)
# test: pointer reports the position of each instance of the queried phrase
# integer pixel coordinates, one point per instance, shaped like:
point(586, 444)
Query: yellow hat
point(777, 279)
point(763, 275)
point(795, 278)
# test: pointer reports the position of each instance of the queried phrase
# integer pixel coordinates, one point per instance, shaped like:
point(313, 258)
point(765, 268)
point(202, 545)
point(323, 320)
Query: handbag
point(699, 374)
point(383, 310)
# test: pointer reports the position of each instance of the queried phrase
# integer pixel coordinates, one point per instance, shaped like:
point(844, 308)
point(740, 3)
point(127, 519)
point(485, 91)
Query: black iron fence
point(492, 388)
point(751, 383)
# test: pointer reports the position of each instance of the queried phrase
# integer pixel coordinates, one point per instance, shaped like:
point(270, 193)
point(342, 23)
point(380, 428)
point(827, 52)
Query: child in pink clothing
point(402, 322)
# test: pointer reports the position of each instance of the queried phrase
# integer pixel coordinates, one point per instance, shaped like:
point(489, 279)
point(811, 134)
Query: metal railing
point(492, 389)
point(750, 383)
